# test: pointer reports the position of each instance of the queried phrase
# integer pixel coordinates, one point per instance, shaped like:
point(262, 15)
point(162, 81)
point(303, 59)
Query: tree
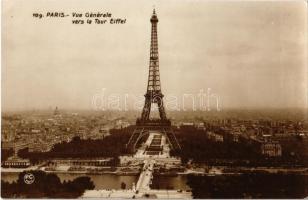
point(123, 186)
point(45, 185)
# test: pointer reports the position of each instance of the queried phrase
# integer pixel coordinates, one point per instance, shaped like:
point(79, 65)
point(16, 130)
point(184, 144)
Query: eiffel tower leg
point(172, 139)
point(137, 134)
point(161, 109)
point(146, 109)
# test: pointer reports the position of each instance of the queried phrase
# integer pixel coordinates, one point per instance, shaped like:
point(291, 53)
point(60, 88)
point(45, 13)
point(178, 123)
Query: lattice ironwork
point(153, 96)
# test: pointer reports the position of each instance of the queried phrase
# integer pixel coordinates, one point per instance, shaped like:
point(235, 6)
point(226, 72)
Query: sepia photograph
point(156, 99)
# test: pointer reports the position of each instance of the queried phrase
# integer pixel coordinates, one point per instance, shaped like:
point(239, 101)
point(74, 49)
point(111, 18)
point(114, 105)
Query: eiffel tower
point(153, 96)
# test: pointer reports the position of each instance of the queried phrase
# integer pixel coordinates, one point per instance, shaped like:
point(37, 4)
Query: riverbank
point(210, 170)
point(89, 172)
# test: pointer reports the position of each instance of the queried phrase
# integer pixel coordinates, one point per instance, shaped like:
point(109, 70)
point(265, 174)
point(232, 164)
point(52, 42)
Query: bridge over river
point(146, 176)
point(154, 150)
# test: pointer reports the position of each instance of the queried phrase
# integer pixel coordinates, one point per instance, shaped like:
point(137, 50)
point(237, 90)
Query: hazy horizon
point(250, 54)
point(52, 109)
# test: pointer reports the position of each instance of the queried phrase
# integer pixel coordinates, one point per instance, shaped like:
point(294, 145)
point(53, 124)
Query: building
point(215, 137)
point(82, 162)
point(271, 149)
point(200, 126)
point(16, 162)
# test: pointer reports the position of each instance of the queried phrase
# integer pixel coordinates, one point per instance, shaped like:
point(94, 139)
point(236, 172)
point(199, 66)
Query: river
point(249, 185)
point(111, 181)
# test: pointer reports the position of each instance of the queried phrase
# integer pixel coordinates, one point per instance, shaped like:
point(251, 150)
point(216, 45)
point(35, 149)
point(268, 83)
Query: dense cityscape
point(212, 142)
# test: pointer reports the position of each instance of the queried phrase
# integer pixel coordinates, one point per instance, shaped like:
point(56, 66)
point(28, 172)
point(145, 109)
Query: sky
point(251, 54)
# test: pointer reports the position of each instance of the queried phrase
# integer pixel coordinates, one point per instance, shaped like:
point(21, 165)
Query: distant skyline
point(250, 54)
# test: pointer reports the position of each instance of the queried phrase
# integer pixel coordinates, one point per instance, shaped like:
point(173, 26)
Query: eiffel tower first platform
point(153, 96)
